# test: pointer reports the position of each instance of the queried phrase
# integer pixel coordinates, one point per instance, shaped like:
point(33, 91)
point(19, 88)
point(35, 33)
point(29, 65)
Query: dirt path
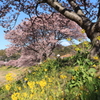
point(15, 71)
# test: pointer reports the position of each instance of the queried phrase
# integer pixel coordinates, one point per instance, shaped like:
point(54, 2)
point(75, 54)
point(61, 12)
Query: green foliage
point(82, 79)
point(14, 56)
point(64, 50)
point(4, 57)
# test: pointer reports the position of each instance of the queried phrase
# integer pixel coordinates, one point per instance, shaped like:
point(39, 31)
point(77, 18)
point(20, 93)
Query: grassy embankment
point(72, 78)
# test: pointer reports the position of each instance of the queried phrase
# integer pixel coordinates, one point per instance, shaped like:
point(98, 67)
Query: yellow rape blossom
point(50, 97)
point(73, 78)
point(15, 96)
point(24, 86)
point(42, 92)
point(46, 76)
point(34, 73)
point(94, 65)
point(45, 70)
point(76, 68)
point(31, 84)
point(22, 98)
point(25, 79)
point(96, 57)
point(98, 37)
point(68, 39)
point(49, 79)
point(9, 77)
point(32, 91)
point(42, 83)
point(31, 96)
point(82, 31)
point(37, 82)
point(63, 76)
point(86, 43)
point(19, 88)
point(8, 86)
point(24, 94)
point(99, 77)
point(77, 49)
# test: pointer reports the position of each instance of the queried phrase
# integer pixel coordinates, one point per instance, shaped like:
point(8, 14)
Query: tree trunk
point(95, 40)
point(44, 57)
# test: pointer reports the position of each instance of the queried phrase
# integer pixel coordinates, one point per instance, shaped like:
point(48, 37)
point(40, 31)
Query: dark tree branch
point(64, 11)
point(98, 16)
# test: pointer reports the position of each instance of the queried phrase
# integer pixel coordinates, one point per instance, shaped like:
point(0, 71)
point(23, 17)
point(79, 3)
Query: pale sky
point(4, 42)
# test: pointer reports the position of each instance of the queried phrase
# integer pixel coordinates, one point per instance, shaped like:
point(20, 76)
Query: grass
point(72, 78)
point(8, 69)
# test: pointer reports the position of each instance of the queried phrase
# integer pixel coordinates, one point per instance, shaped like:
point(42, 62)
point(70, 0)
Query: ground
point(14, 70)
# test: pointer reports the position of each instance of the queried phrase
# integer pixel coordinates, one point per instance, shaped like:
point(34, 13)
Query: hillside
point(62, 50)
point(72, 49)
point(3, 56)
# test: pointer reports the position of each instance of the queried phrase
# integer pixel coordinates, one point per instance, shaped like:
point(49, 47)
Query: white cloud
point(64, 43)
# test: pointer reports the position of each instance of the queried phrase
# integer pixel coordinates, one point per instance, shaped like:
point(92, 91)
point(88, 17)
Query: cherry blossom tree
point(37, 37)
point(85, 13)
point(2, 63)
